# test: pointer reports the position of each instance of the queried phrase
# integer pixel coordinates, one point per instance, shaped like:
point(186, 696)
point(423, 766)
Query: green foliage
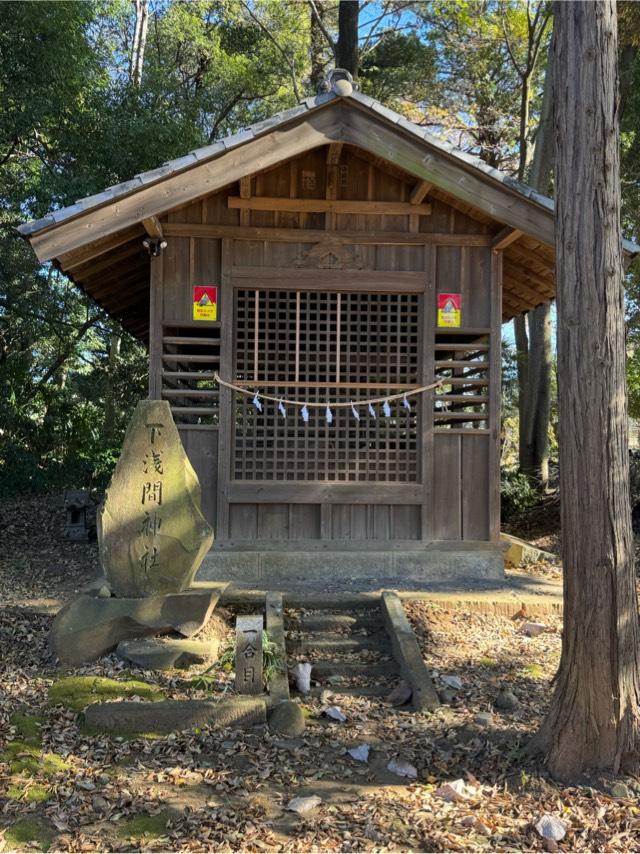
point(478, 96)
point(272, 663)
point(517, 494)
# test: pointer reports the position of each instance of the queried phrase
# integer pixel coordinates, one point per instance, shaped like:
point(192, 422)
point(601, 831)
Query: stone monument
point(152, 538)
point(151, 531)
point(249, 654)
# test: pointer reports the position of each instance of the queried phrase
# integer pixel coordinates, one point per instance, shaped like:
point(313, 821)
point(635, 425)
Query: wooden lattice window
point(190, 357)
point(462, 362)
point(316, 346)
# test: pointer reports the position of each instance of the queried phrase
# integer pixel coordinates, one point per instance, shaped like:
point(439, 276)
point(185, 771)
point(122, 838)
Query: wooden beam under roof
point(153, 227)
point(340, 206)
point(419, 191)
point(333, 153)
point(316, 235)
point(505, 238)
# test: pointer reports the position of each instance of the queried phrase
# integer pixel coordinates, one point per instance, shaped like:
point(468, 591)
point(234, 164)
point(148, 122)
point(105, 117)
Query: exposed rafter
point(153, 227)
point(505, 238)
point(419, 192)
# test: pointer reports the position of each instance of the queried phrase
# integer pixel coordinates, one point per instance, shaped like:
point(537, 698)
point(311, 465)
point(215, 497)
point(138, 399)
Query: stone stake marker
point(151, 531)
point(249, 654)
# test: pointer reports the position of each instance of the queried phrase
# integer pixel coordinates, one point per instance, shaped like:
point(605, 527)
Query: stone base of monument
point(91, 626)
point(167, 653)
point(175, 715)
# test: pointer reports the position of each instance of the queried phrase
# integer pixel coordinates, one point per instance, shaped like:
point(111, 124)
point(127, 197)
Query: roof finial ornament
point(340, 81)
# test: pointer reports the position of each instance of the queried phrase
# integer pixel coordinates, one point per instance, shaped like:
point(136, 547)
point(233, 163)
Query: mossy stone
point(77, 692)
point(287, 719)
point(26, 832)
point(143, 826)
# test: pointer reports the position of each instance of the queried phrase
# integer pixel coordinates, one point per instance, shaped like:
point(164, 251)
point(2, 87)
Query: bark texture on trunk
point(347, 47)
point(139, 41)
point(594, 717)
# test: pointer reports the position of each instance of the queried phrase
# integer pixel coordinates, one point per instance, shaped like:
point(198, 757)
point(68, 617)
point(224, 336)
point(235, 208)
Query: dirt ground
point(66, 789)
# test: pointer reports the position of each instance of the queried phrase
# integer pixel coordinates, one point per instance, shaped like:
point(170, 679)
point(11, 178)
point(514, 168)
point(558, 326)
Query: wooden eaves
point(98, 241)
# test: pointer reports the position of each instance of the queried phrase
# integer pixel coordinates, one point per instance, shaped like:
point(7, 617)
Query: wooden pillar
point(495, 394)
point(155, 327)
point(225, 418)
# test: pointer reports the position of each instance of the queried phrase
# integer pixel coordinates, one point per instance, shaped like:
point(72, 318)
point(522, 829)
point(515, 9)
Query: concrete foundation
point(336, 569)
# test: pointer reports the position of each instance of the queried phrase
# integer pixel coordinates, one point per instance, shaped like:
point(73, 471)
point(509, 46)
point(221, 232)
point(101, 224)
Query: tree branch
point(281, 51)
point(60, 360)
point(325, 32)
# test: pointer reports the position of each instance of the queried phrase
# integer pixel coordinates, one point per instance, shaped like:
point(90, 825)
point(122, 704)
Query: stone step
point(352, 690)
point(165, 654)
point(300, 646)
point(339, 668)
point(334, 622)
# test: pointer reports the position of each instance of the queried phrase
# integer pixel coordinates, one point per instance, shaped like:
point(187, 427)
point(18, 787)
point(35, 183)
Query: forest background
point(93, 92)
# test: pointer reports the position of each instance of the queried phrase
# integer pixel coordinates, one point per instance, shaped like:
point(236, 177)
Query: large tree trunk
point(139, 42)
point(535, 351)
point(594, 717)
point(347, 46)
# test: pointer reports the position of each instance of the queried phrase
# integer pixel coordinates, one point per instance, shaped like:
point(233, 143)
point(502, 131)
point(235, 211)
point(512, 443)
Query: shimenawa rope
point(335, 404)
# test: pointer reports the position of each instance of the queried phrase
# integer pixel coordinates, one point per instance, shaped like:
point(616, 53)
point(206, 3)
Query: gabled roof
point(342, 115)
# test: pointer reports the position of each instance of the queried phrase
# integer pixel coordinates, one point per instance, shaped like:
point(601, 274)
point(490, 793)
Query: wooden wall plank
point(447, 515)
point(273, 521)
point(304, 521)
point(406, 523)
point(475, 485)
point(155, 327)
point(201, 446)
point(176, 292)
point(243, 521)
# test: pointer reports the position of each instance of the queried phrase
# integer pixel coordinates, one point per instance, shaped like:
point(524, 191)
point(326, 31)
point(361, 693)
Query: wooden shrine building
point(332, 254)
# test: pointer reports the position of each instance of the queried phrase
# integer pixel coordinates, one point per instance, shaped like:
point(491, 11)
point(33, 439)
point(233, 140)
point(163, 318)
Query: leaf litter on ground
point(227, 790)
